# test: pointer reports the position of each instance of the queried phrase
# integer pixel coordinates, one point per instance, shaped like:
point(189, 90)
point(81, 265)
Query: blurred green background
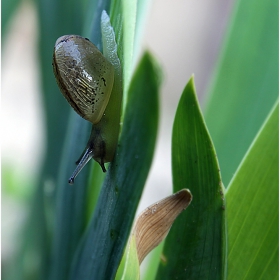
point(236, 82)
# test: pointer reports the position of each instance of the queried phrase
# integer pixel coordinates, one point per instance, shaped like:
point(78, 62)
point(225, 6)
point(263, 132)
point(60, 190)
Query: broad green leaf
point(245, 84)
point(100, 251)
point(252, 208)
point(196, 245)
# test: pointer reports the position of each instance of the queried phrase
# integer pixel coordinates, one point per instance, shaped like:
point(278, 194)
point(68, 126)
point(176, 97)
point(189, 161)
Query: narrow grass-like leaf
point(116, 19)
point(96, 179)
point(92, 26)
point(142, 10)
point(130, 267)
point(71, 204)
point(123, 17)
point(253, 214)
point(129, 9)
point(153, 260)
point(93, 31)
point(100, 252)
point(54, 24)
point(245, 84)
point(34, 248)
point(195, 247)
point(70, 211)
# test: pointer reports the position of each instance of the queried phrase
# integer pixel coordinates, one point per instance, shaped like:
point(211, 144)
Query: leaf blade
point(248, 256)
point(245, 84)
point(197, 238)
point(124, 182)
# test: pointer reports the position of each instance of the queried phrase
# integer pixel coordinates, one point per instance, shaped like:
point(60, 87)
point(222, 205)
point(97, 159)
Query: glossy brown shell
point(84, 76)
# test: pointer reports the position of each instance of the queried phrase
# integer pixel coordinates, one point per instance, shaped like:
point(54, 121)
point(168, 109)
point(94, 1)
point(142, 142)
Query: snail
point(92, 84)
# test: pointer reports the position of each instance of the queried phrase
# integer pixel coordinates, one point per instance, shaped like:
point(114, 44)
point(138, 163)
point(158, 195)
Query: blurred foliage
point(243, 91)
point(8, 8)
point(245, 83)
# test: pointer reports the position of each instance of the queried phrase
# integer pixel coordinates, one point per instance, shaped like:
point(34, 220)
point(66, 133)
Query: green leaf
point(129, 9)
point(96, 179)
point(65, 134)
point(127, 23)
point(152, 262)
point(129, 267)
point(196, 245)
point(252, 203)
point(245, 85)
point(142, 11)
point(100, 251)
point(72, 203)
point(70, 210)
point(92, 22)
point(116, 19)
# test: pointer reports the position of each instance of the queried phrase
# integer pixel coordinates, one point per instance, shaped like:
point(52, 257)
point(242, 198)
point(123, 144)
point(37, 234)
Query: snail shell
point(84, 75)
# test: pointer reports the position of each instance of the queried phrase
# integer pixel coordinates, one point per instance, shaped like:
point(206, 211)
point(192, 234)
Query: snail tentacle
point(85, 159)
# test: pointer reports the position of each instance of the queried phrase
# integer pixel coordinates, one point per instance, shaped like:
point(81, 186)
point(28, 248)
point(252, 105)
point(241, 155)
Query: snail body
point(92, 84)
